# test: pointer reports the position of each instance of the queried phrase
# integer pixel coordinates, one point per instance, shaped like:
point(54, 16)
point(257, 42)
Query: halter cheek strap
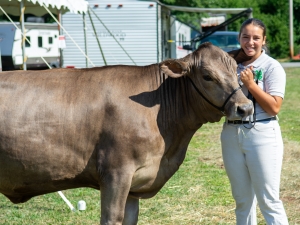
point(222, 108)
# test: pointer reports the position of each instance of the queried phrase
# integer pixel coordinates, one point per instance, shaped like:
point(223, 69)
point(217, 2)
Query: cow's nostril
point(241, 111)
point(245, 110)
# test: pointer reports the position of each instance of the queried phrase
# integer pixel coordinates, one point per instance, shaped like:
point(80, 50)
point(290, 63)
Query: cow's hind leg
point(131, 211)
point(114, 192)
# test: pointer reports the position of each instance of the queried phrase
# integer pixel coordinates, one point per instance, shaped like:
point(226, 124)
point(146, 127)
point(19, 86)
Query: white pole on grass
point(66, 201)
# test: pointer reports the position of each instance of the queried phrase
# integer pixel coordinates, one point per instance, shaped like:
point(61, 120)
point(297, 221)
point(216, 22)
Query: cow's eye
point(207, 78)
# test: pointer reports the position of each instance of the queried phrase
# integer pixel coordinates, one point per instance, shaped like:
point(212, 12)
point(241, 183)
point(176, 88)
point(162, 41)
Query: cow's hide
point(121, 129)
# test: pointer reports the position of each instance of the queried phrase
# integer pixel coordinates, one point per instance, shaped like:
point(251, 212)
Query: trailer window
point(50, 40)
point(27, 44)
point(40, 42)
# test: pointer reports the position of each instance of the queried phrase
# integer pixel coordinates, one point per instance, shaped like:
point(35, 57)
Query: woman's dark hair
point(255, 22)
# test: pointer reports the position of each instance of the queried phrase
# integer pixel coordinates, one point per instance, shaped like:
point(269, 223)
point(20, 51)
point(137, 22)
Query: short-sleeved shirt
point(272, 80)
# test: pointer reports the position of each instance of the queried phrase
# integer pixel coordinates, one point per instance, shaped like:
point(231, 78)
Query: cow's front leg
point(114, 189)
point(131, 211)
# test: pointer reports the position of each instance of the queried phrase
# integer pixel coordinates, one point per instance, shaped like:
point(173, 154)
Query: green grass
point(289, 114)
point(199, 193)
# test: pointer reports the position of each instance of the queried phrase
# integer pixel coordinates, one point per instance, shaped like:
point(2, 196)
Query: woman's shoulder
point(270, 63)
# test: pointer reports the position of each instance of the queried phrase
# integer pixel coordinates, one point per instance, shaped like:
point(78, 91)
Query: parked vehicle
point(43, 40)
point(226, 40)
point(129, 32)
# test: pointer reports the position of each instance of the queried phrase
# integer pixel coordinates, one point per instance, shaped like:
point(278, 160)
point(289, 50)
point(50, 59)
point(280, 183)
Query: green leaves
point(258, 74)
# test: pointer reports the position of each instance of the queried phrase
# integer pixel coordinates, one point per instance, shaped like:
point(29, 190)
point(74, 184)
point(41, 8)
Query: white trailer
point(130, 32)
point(43, 40)
point(182, 37)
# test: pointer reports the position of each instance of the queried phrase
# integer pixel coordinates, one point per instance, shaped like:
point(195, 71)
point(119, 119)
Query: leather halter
point(222, 108)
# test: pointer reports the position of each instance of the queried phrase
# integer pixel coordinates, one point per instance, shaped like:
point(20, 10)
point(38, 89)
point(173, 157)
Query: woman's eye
point(207, 78)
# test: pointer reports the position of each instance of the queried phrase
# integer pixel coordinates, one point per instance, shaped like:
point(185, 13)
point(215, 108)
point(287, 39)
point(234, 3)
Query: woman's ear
point(265, 39)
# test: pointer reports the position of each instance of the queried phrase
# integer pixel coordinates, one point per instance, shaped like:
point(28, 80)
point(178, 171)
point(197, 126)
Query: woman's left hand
point(247, 76)
point(271, 104)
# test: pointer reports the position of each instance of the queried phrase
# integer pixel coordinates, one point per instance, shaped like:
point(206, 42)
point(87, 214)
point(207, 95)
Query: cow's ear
point(174, 67)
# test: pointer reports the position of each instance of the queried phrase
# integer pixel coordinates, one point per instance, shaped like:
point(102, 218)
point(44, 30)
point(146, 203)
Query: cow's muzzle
point(245, 109)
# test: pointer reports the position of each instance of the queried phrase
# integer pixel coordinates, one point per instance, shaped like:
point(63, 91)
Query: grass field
point(199, 193)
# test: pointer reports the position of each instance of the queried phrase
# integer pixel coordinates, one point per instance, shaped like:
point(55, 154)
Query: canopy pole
point(85, 37)
point(22, 9)
point(60, 33)
point(67, 33)
point(17, 28)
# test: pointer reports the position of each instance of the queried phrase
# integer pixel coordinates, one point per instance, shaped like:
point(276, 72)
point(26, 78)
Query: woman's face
point(251, 40)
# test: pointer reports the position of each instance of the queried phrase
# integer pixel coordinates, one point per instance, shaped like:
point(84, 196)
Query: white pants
point(253, 160)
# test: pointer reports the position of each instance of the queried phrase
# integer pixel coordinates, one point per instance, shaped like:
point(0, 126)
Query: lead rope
point(250, 96)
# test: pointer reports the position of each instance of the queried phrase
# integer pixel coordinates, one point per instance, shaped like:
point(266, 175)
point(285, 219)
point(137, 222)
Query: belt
point(247, 122)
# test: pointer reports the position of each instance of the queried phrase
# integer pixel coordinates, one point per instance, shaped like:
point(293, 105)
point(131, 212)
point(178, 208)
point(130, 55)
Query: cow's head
point(212, 76)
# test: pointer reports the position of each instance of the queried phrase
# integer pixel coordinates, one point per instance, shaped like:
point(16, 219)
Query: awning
point(34, 6)
point(212, 21)
point(203, 10)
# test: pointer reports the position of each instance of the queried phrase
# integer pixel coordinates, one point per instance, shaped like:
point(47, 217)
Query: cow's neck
point(181, 107)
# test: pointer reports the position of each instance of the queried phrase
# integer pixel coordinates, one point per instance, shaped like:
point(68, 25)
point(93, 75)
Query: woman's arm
point(271, 104)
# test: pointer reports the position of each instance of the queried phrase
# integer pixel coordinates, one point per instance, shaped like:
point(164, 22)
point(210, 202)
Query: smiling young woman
point(252, 148)
point(252, 38)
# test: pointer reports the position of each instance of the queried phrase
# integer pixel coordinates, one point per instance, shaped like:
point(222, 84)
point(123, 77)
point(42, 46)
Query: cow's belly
point(25, 174)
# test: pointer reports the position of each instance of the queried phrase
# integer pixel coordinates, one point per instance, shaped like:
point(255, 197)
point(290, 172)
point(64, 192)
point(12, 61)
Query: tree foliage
point(275, 15)
point(296, 13)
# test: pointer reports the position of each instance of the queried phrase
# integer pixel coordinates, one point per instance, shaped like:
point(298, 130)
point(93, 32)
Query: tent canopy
point(202, 10)
point(35, 6)
point(39, 8)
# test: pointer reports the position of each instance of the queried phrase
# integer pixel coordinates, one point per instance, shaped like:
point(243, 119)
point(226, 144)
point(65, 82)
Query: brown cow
point(121, 129)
